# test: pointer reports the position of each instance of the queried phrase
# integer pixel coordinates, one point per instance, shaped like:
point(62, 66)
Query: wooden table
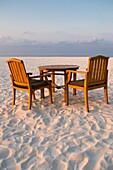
point(57, 68)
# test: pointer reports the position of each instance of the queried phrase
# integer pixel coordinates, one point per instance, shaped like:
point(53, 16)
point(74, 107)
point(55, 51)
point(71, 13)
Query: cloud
point(108, 36)
point(25, 42)
point(93, 46)
point(28, 33)
point(6, 40)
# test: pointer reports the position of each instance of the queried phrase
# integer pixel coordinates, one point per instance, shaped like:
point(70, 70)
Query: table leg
point(74, 78)
point(53, 81)
point(42, 90)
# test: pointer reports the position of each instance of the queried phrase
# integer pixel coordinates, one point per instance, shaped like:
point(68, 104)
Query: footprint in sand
point(59, 165)
point(9, 163)
point(12, 122)
point(1, 132)
point(94, 156)
point(4, 153)
point(46, 121)
point(110, 167)
point(36, 140)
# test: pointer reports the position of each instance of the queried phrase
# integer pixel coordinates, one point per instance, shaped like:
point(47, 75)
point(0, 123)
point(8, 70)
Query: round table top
point(58, 67)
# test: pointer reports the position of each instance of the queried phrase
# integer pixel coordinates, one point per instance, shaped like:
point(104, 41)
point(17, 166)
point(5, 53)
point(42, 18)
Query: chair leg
point(67, 95)
point(50, 94)
point(30, 100)
point(33, 96)
point(13, 96)
point(86, 100)
point(106, 95)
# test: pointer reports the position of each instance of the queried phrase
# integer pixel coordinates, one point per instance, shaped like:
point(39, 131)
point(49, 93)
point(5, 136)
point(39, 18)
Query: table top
point(58, 67)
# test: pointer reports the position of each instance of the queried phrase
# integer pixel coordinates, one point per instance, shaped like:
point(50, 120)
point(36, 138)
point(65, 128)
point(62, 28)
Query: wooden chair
point(24, 82)
point(95, 77)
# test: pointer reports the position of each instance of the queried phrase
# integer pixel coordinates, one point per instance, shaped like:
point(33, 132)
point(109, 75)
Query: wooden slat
point(103, 67)
point(16, 73)
point(19, 72)
point(95, 70)
point(98, 69)
point(23, 72)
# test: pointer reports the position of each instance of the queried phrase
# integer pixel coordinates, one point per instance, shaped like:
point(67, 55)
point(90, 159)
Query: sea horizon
point(53, 55)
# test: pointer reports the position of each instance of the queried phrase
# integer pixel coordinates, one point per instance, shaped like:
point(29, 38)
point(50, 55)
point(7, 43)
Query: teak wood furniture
point(56, 70)
point(21, 80)
point(96, 76)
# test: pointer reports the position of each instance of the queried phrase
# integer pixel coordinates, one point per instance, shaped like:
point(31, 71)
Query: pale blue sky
point(37, 22)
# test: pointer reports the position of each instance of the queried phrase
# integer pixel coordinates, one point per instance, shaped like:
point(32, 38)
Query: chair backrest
point(18, 71)
point(97, 69)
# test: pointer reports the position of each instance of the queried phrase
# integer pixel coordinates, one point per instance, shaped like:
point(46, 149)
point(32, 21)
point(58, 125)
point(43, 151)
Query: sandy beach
point(55, 136)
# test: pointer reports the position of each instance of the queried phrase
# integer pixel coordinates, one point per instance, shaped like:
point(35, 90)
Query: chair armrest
point(29, 74)
point(38, 76)
point(79, 72)
point(69, 73)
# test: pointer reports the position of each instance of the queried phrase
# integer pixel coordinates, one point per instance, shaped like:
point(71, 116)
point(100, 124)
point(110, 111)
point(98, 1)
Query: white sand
point(55, 137)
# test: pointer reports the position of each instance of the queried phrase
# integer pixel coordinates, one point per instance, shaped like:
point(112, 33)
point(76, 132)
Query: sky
point(56, 27)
